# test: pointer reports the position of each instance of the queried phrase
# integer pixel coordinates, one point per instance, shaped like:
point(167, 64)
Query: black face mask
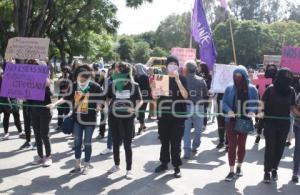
point(283, 82)
point(271, 73)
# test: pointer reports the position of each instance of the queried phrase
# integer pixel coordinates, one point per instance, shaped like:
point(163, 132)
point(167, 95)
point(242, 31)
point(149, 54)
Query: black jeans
point(142, 113)
point(260, 126)
point(275, 144)
point(27, 123)
point(221, 129)
point(63, 111)
point(122, 129)
point(170, 132)
point(41, 118)
point(17, 121)
point(102, 124)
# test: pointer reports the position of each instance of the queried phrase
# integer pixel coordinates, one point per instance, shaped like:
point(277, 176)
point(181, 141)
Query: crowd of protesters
point(124, 92)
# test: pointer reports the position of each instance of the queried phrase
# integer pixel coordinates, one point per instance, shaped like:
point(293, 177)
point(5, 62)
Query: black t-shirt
point(144, 85)
point(278, 106)
point(86, 112)
point(165, 108)
point(122, 100)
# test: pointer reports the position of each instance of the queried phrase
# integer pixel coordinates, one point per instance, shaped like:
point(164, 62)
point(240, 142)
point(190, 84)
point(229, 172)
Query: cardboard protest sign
point(160, 85)
point(272, 59)
point(184, 54)
point(291, 58)
point(27, 48)
point(24, 81)
point(223, 77)
point(261, 83)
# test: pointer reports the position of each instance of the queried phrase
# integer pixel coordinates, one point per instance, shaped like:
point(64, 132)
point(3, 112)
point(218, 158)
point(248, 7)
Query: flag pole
point(232, 41)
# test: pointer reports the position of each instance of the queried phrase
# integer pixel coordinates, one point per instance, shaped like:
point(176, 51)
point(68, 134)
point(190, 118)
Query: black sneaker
point(161, 168)
point(288, 144)
point(177, 173)
point(227, 148)
point(274, 175)
point(26, 145)
point(239, 172)
point(58, 128)
point(295, 179)
point(230, 176)
point(220, 145)
point(267, 178)
point(257, 140)
point(75, 170)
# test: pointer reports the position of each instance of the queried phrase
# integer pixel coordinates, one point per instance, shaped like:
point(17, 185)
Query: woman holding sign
point(171, 118)
point(240, 102)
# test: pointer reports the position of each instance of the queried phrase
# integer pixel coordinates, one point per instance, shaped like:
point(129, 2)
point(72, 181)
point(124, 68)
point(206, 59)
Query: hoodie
point(231, 93)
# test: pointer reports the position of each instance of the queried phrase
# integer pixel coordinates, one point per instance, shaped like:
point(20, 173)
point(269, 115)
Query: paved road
point(203, 174)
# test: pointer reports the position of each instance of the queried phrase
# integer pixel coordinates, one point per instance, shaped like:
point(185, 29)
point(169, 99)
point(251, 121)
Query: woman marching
point(125, 99)
point(86, 98)
point(279, 102)
point(142, 79)
point(240, 103)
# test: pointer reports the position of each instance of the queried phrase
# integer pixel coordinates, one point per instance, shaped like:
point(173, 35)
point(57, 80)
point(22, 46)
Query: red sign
point(261, 83)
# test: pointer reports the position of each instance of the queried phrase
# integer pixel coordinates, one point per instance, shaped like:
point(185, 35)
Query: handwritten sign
point(223, 77)
point(261, 83)
point(27, 48)
point(160, 85)
point(291, 58)
point(24, 81)
point(184, 54)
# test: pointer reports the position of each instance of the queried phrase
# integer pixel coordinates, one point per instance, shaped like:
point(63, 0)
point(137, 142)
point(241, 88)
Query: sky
point(148, 16)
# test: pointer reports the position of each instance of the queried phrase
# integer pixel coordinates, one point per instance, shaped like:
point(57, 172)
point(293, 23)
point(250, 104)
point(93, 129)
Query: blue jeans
point(195, 120)
point(78, 134)
point(297, 150)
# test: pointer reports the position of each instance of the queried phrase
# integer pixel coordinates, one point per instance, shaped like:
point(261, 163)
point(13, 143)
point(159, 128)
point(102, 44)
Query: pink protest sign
point(184, 54)
point(262, 83)
point(24, 81)
point(291, 58)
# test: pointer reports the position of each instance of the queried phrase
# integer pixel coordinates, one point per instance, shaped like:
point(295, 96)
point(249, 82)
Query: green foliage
point(253, 40)
point(159, 52)
point(126, 49)
point(141, 52)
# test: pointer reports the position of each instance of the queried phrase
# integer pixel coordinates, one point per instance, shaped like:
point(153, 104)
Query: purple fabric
point(24, 81)
point(203, 35)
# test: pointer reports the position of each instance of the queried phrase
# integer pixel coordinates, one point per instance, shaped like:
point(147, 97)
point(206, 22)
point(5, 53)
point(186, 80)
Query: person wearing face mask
point(270, 73)
point(236, 107)
point(170, 118)
point(279, 102)
point(125, 99)
point(86, 97)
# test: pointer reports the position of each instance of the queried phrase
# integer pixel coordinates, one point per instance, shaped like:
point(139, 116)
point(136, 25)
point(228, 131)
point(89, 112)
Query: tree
point(159, 52)
point(141, 52)
point(126, 49)
point(295, 13)
point(149, 37)
point(174, 31)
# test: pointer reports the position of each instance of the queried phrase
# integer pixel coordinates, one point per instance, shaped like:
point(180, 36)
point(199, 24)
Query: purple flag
point(24, 81)
point(203, 35)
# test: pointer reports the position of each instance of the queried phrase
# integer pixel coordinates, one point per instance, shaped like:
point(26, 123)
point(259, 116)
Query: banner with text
point(223, 77)
point(27, 48)
point(24, 81)
point(184, 54)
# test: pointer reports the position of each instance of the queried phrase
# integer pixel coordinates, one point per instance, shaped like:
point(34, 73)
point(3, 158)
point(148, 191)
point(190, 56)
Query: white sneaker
point(6, 136)
point(129, 175)
point(86, 169)
point(106, 151)
point(47, 162)
point(37, 161)
point(114, 169)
